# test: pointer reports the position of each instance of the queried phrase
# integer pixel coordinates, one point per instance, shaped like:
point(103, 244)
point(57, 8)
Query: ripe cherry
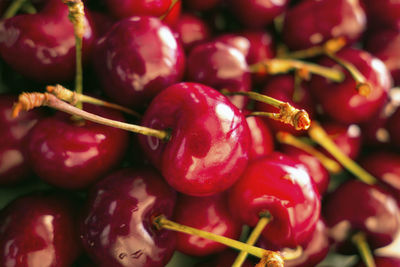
point(132, 73)
point(393, 127)
point(117, 229)
point(210, 214)
point(381, 261)
point(121, 9)
point(191, 30)
point(39, 230)
point(383, 13)
point(201, 5)
point(42, 46)
point(262, 141)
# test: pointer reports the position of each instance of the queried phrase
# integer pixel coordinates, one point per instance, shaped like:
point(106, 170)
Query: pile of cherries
point(270, 127)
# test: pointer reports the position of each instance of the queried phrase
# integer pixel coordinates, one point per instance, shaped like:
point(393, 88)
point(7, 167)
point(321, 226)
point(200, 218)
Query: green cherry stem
point(171, 6)
point(28, 8)
point(361, 243)
point(13, 9)
point(28, 101)
point(318, 134)
point(265, 218)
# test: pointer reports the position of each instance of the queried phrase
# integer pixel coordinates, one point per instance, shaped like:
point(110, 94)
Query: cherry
point(224, 259)
point(191, 30)
point(117, 229)
point(354, 107)
point(38, 230)
point(277, 185)
point(381, 261)
point(132, 73)
point(201, 5)
point(42, 46)
point(375, 214)
point(121, 9)
point(393, 127)
point(73, 156)
point(208, 214)
point(262, 141)
point(283, 87)
point(220, 66)
point(313, 22)
point(383, 13)
point(102, 22)
point(14, 165)
point(257, 14)
point(171, 17)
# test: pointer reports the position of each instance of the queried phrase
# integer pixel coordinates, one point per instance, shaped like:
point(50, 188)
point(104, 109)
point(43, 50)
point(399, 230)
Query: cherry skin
point(132, 73)
point(42, 46)
point(262, 140)
point(313, 22)
point(73, 156)
point(277, 184)
point(384, 13)
point(102, 22)
point(222, 67)
point(209, 214)
point(282, 87)
point(381, 261)
point(257, 14)
point(191, 30)
point(209, 140)
point(393, 127)
point(201, 5)
point(38, 230)
point(342, 101)
point(224, 259)
point(14, 165)
point(375, 213)
point(117, 229)
point(121, 9)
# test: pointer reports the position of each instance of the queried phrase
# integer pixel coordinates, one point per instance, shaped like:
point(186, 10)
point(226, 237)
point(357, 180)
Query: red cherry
point(121, 9)
point(393, 127)
point(381, 261)
point(276, 184)
point(117, 227)
point(314, 22)
point(191, 30)
point(132, 73)
point(201, 5)
point(262, 140)
point(39, 230)
point(383, 13)
point(208, 214)
point(42, 46)
point(74, 156)
point(209, 141)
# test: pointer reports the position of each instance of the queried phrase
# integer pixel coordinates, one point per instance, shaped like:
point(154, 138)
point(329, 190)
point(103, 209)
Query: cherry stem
point(28, 101)
point(29, 8)
point(265, 218)
point(161, 222)
point(171, 6)
point(73, 97)
point(299, 119)
point(289, 139)
point(360, 240)
point(362, 86)
point(77, 17)
point(13, 9)
point(331, 46)
point(284, 65)
point(318, 134)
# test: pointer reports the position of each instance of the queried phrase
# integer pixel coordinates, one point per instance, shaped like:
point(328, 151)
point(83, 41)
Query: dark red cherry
point(381, 261)
point(117, 228)
point(222, 67)
point(39, 230)
point(356, 206)
point(209, 214)
point(224, 259)
point(384, 44)
point(14, 165)
point(209, 139)
point(132, 73)
point(127, 8)
point(102, 22)
point(313, 22)
point(283, 88)
point(384, 13)
point(318, 173)
point(73, 156)
point(262, 140)
point(257, 14)
point(314, 250)
point(393, 127)
point(386, 167)
point(342, 101)
point(191, 30)
point(277, 184)
point(201, 5)
point(42, 46)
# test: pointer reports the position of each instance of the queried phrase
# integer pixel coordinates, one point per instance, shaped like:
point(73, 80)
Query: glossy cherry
point(262, 140)
point(381, 261)
point(42, 46)
point(121, 9)
point(342, 101)
point(282, 87)
point(14, 165)
point(132, 73)
point(209, 214)
point(384, 13)
point(209, 139)
point(191, 30)
point(220, 66)
point(73, 156)
point(117, 229)
point(313, 22)
point(39, 230)
point(375, 213)
point(277, 184)
point(257, 14)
